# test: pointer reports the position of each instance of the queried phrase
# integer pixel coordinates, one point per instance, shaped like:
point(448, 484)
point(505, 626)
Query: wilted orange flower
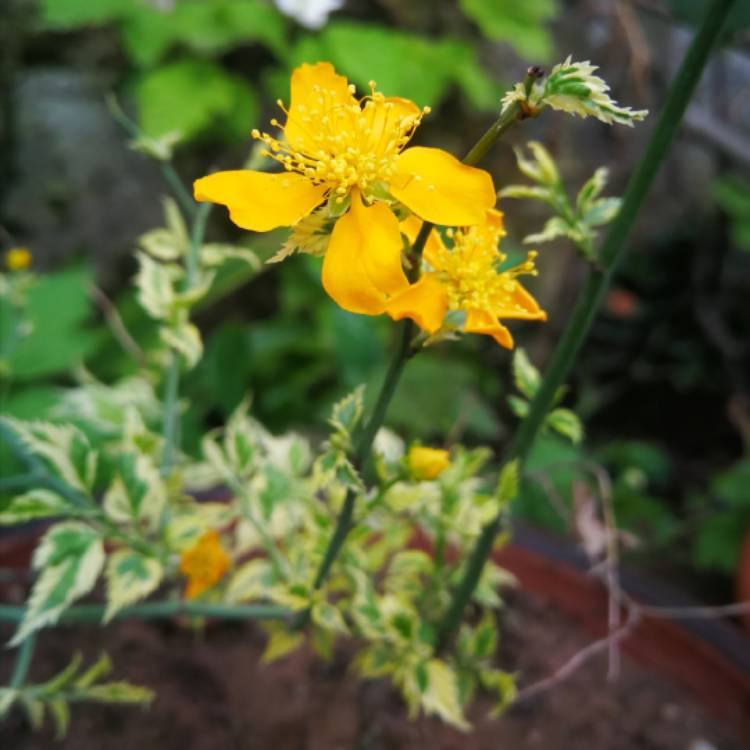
point(466, 278)
point(204, 564)
point(345, 160)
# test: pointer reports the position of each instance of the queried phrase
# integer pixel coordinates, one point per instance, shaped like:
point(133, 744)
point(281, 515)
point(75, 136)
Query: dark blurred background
point(663, 384)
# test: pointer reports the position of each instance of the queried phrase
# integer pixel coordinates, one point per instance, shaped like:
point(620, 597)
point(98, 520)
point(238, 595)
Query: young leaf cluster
point(578, 221)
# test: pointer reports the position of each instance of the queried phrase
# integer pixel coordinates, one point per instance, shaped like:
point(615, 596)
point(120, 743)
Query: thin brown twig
point(580, 658)
point(116, 325)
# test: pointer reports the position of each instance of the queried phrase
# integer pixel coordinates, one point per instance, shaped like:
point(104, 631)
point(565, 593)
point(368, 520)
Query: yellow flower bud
point(427, 463)
point(18, 259)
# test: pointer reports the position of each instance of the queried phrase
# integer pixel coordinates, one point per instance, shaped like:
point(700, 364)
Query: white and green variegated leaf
point(161, 245)
point(34, 504)
point(187, 524)
point(250, 581)
point(591, 189)
point(553, 228)
point(329, 617)
point(440, 694)
point(7, 698)
point(196, 291)
point(130, 576)
point(138, 494)
point(566, 423)
point(215, 254)
point(530, 192)
point(118, 692)
point(175, 222)
point(155, 285)
point(347, 413)
point(186, 339)
point(573, 88)
point(69, 560)
point(525, 375)
point(64, 448)
point(601, 211)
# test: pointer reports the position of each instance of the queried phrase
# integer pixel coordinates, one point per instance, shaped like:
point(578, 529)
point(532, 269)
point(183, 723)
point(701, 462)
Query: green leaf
point(525, 375)
point(69, 560)
point(519, 406)
point(155, 285)
point(130, 576)
point(566, 423)
point(253, 580)
point(69, 14)
point(507, 486)
point(346, 414)
point(501, 683)
point(34, 504)
point(58, 306)
point(553, 228)
point(119, 692)
point(185, 339)
point(193, 97)
point(521, 24)
point(440, 695)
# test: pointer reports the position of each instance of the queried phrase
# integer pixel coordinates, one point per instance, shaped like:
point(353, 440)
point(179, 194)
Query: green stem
point(187, 204)
point(23, 662)
point(171, 422)
point(404, 351)
point(157, 610)
point(596, 285)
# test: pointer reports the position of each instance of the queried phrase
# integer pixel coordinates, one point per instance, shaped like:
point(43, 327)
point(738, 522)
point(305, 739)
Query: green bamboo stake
point(596, 285)
point(93, 613)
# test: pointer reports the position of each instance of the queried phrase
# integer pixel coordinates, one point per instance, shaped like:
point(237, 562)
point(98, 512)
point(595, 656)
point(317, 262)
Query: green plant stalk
point(596, 285)
point(23, 662)
point(404, 351)
point(170, 423)
point(155, 611)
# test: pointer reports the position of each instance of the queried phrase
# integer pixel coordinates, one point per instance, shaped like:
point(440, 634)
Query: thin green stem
point(23, 662)
point(171, 421)
point(187, 204)
point(596, 285)
point(158, 610)
point(402, 354)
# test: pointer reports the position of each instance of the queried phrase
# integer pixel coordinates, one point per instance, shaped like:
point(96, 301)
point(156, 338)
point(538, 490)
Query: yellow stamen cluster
point(344, 145)
point(469, 271)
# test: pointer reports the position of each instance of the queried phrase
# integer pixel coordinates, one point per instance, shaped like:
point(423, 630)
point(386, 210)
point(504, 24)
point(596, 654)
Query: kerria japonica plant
point(360, 536)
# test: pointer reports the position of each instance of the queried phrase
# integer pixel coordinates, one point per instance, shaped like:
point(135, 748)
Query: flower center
point(470, 271)
point(344, 145)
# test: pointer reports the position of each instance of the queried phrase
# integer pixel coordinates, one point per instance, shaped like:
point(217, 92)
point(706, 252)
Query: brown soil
point(213, 694)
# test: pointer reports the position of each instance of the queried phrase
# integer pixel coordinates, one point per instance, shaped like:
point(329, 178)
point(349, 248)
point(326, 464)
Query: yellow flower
point(466, 278)
point(204, 564)
point(351, 153)
point(427, 463)
point(18, 259)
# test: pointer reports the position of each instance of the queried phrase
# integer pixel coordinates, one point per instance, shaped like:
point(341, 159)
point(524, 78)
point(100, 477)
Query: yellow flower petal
point(480, 321)
point(260, 201)
point(425, 302)
point(519, 305)
point(440, 189)
point(309, 84)
point(410, 226)
point(362, 265)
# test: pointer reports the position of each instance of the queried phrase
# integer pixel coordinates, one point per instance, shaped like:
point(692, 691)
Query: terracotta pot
point(743, 577)
point(708, 658)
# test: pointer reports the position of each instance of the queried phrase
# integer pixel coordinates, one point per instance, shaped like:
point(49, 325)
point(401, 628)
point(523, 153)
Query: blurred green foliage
point(182, 81)
point(732, 194)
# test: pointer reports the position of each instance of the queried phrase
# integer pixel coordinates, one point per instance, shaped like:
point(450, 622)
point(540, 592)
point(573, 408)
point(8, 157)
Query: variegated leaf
point(69, 558)
point(130, 576)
